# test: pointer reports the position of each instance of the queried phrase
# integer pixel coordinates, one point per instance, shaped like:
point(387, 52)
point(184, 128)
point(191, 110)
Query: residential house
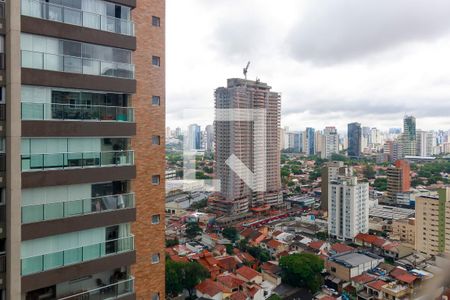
point(209, 289)
point(249, 275)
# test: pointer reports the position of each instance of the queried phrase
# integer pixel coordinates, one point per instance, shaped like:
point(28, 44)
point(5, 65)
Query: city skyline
point(360, 68)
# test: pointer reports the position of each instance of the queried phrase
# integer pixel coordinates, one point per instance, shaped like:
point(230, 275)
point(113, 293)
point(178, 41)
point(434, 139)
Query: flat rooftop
point(354, 259)
point(391, 212)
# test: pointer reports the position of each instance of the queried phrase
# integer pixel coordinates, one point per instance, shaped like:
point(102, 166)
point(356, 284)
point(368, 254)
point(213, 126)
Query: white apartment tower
point(330, 142)
point(348, 206)
point(243, 139)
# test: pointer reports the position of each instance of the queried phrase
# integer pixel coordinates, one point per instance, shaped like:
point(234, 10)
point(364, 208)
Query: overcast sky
point(334, 61)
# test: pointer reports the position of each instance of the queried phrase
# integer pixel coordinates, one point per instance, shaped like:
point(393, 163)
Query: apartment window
point(156, 219)
point(156, 100)
point(156, 21)
point(156, 140)
point(156, 61)
point(155, 296)
point(155, 258)
point(155, 179)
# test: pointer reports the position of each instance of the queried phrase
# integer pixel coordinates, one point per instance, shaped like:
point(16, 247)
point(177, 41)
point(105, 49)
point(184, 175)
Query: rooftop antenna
point(246, 70)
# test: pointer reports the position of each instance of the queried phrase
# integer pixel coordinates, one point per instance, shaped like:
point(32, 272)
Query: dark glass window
point(156, 61)
point(156, 100)
point(156, 140)
point(156, 21)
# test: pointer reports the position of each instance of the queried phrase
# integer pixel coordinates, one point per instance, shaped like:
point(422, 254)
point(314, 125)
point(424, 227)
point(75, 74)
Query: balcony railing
point(69, 15)
point(70, 160)
point(85, 112)
point(41, 263)
point(2, 263)
point(74, 64)
point(59, 210)
point(110, 291)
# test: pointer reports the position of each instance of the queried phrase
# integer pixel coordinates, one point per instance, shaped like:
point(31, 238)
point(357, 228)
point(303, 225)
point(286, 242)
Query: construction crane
point(246, 70)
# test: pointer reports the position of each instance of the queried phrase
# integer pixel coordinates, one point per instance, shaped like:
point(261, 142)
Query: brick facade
point(150, 159)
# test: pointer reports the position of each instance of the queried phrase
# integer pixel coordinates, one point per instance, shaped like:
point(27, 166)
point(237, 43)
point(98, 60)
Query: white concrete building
point(348, 206)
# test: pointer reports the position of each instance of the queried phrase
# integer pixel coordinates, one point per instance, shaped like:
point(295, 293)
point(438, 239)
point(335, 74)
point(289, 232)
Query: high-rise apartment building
point(330, 172)
point(310, 141)
point(354, 139)
point(409, 136)
point(83, 206)
point(209, 138)
point(399, 183)
point(348, 206)
point(425, 143)
point(330, 142)
point(194, 138)
point(432, 226)
point(252, 143)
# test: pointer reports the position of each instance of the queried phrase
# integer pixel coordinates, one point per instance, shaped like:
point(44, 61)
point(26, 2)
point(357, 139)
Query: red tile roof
point(316, 245)
point(177, 258)
point(230, 281)
point(247, 273)
point(363, 278)
point(238, 296)
point(227, 263)
point(370, 239)
point(341, 248)
point(208, 287)
point(376, 285)
point(274, 244)
point(403, 275)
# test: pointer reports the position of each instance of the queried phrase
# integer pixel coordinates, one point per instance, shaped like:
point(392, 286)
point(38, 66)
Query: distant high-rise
point(354, 139)
point(399, 182)
point(310, 141)
point(330, 142)
point(240, 138)
point(329, 173)
point(409, 136)
point(209, 138)
point(425, 143)
point(348, 206)
point(194, 137)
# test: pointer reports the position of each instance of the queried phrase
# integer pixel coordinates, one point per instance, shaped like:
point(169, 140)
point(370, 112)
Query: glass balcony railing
point(85, 112)
point(69, 160)
point(59, 210)
point(110, 291)
point(73, 16)
point(41, 263)
point(74, 64)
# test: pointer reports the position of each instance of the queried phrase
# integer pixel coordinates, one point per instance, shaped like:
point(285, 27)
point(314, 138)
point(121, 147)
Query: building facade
point(243, 139)
point(194, 138)
point(348, 206)
point(432, 227)
point(84, 149)
point(398, 182)
point(310, 141)
point(329, 173)
point(354, 139)
point(330, 142)
point(409, 136)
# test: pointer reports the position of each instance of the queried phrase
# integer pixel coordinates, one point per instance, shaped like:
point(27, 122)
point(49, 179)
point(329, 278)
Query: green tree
point(380, 184)
point(369, 171)
point(181, 276)
point(259, 253)
point(193, 230)
point(229, 248)
point(230, 233)
point(302, 270)
point(171, 243)
point(274, 297)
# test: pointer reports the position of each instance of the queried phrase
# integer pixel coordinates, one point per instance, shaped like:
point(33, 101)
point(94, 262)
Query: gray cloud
point(331, 31)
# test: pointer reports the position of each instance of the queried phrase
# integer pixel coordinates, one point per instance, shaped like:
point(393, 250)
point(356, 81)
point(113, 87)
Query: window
point(155, 219)
point(155, 258)
point(155, 179)
point(156, 100)
point(156, 61)
point(156, 140)
point(156, 21)
point(155, 296)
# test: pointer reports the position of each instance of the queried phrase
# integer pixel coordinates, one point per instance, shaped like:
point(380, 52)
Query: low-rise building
point(405, 231)
point(348, 265)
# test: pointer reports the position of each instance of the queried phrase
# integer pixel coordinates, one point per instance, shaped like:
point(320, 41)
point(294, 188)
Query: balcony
point(73, 64)
point(76, 160)
point(79, 112)
point(110, 291)
point(52, 211)
point(68, 15)
point(41, 263)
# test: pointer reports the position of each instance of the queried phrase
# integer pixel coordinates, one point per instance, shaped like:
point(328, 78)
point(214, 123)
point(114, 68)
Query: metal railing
point(73, 16)
point(44, 262)
point(59, 111)
point(59, 210)
point(70, 160)
point(110, 291)
point(73, 64)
